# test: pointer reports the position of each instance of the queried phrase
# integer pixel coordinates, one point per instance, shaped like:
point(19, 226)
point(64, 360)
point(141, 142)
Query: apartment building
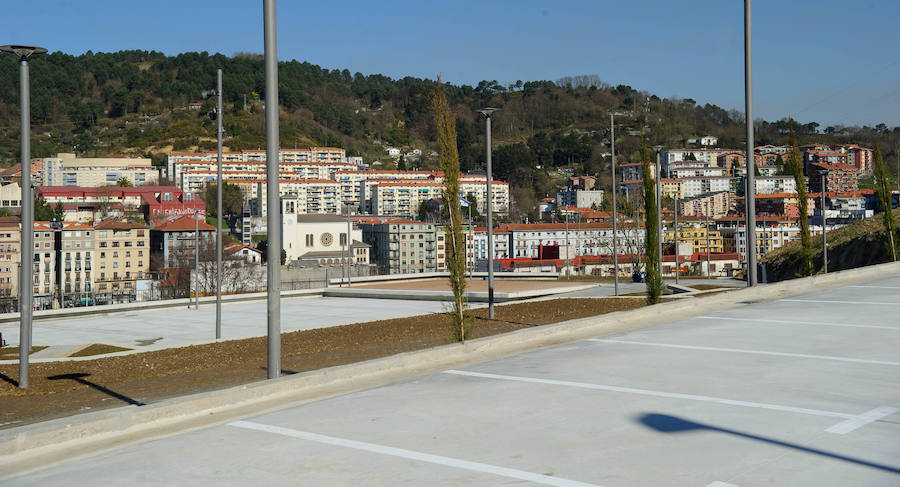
point(123, 257)
point(87, 204)
point(11, 195)
point(839, 178)
point(10, 243)
point(579, 198)
point(633, 171)
point(75, 243)
point(525, 239)
point(774, 184)
point(173, 241)
point(695, 234)
point(44, 265)
point(712, 205)
point(697, 185)
point(314, 162)
point(405, 246)
point(69, 170)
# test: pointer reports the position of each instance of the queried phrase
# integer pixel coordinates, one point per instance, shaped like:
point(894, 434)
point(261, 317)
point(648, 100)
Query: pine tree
point(884, 197)
point(445, 122)
point(651, 226)
point(796, 165)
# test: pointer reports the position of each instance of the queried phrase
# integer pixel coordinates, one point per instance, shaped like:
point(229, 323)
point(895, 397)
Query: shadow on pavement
point(80, 378)
point(664, 423)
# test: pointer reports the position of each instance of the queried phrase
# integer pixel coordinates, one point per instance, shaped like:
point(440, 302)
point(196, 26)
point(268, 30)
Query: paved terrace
point(795, 392)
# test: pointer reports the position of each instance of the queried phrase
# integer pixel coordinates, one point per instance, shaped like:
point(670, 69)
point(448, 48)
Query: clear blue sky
point(832, 61)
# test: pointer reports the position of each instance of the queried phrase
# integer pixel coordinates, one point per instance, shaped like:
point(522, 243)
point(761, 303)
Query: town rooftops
point(117, 224)
point(182, 224)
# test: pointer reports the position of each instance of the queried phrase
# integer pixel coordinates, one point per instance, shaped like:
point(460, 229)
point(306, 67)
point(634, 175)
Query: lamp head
point(487, 111)
point(24, 52)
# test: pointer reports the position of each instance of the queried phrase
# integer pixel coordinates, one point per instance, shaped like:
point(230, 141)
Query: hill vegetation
point(137, 102)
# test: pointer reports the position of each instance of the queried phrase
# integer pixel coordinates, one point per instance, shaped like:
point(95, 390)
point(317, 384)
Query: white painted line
point(718, 483)
point(878, 287)
point(756, 352)
point(863, 419)
point(836, 302)
point(792, 322)
point(414, 455)
point(645, 392)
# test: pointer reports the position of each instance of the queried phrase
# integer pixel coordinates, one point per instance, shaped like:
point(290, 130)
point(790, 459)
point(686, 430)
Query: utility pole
point(349, 242)
point(197, 260)
point(26, 276)
point(273, 218)
point(659, 211)
point(750, 193)
point(707, 242)
point(825, 237)
point(612, 138)
point(567, 244)
point(677, 255)
point(219, 205)
point(490, 210)
point(472, 234)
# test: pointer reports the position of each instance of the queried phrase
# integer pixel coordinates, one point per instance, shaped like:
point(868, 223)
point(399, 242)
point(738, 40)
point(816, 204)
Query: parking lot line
point(414, 455)
point(863, 419)
point(792, 322)
point(878, 287)
point(837, 302)
point(646, 392)
point(756, 352)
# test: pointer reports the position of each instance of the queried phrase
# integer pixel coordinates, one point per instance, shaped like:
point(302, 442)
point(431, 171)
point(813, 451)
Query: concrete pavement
point(798, 391)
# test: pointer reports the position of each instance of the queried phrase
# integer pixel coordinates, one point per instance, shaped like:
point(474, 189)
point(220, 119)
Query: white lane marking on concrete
point(878, 287)
point(719, 483)
point(792, 322)
point(646, 392)
point(414, 455)
point(755, 352)
point(863, 419)
point(837, 302)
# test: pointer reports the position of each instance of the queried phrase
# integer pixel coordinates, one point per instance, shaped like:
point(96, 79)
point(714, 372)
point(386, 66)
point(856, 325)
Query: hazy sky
point(832, 61)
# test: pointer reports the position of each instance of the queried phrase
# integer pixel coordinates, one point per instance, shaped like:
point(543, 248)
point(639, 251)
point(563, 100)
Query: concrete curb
point(32, 446)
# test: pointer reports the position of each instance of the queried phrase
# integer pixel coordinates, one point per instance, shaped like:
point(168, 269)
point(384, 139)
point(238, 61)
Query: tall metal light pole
point(750, 193)
point(197, 260)
point(349, 242)
point(567, 244)
point(659, 221)
point(219, 205)
point(825, 237)
point(708, 275)
point(26, 274)
point(487, 112)
point(676, 240)
point(612, 138)
point(273, 219)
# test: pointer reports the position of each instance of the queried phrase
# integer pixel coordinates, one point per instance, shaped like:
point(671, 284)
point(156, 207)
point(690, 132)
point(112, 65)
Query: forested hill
point(136, 102)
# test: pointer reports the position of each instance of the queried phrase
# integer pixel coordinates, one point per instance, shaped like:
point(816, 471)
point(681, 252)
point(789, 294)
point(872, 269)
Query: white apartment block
point(697, 185)
point(403, 197)
point(313, 154)
point(68, 170)
point(686, 172)
point(703, 155)
point(584, 238)
point(579, 198)
point(775, 184)
point(313, 196)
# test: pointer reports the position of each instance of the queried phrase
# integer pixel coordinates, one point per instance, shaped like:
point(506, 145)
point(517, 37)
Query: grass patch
point(98, 349)
point(7, 353)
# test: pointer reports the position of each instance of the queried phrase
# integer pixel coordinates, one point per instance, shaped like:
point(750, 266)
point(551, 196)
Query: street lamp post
point(567, 244)
point(487, 112)
point(273, 218)
point(219, 205)
point(676, 240)
point(197, 260)
point(612, 139)
point(824, 237)
point(26, 277)
point(707, 242)
point(750, 193)
point(349, 245)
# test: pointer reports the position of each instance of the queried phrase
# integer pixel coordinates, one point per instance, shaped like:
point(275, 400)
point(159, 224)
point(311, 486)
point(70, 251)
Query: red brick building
point(838, 178)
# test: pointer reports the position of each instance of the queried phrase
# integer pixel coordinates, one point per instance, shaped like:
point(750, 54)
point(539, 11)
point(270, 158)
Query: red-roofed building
point(838, 177)
point(173, 241)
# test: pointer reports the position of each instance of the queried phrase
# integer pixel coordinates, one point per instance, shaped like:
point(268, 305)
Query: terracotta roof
point(182, 224)
point(116, 224)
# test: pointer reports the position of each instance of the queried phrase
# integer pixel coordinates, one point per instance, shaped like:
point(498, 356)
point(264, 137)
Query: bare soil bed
point(477, 285)
point(64, 388)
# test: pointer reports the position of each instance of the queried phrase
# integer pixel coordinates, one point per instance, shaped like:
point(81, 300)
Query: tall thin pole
point(197, 260)
point(26, 298)
point(677, 261)
point(349, 229)
point(750, 207)
point(707, 242)
point(490, 210)
point(273, 223)
point(567, 244)
point(825, 237)
point(659, 215)
point(612, 138)
point(472, 234)
point(219, 206)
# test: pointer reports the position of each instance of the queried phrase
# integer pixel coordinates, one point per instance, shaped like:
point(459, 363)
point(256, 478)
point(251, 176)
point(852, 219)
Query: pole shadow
point(9, 379)
point(664, 423)
point(80, 378)
point(283, 371)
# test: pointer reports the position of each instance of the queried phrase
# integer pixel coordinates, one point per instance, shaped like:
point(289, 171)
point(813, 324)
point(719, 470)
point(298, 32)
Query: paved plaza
point(796, 392)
